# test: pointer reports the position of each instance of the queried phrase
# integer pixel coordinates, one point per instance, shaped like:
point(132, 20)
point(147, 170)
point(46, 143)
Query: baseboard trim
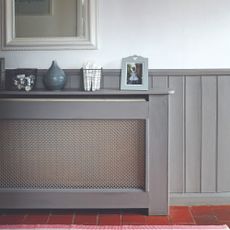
point(191, 199)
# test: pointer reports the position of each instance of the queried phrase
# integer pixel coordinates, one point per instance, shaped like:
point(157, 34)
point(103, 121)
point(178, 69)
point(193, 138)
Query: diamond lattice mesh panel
point(72, 154)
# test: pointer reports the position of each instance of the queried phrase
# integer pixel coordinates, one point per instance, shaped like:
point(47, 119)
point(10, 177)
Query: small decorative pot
point(55, 78)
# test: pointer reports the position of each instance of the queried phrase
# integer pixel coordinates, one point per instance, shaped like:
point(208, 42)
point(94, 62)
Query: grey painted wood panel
point(160, 82)
point(209, 198)
point(209, 131)
point(158, 155)
point(193, 134)
point(223, 169)
point(73, 200)
point(111, 82)
point(194, 168)
point(153, 109)
point(176, 133)
point(36, 109)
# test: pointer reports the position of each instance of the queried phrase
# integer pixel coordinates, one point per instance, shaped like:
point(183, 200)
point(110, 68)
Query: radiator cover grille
point(72, 154)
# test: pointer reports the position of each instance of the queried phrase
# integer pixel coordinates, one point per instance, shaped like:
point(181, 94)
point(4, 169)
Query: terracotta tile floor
point(207, 215)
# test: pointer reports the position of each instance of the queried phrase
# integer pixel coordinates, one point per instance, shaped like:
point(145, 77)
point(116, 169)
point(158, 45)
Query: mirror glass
point(49, 24)
point(48, 18)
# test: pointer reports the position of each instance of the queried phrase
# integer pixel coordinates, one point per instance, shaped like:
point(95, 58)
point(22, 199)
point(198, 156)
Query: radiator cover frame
point(153, 109)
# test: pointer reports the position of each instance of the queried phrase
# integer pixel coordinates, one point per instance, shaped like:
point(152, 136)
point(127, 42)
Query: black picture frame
point(2, 73)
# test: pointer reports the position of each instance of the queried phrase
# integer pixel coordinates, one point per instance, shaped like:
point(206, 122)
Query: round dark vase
point(55, 78)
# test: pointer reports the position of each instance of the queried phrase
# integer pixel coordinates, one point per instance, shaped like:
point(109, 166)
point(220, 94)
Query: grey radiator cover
point(80, 153)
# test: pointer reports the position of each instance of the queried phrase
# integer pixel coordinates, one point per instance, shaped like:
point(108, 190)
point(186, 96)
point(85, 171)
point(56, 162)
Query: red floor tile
point(12, 219)
point(206, 220)
point(221, 209)
point(109, 219)
point(61, 219)
point(87, 219)
point(36, 219)
point(157, 220)
point(223, 217)
point(181, 215)
point(133, 219)
point(222, 212)
point(201, 210)
point(200, 215)
point(225, 222)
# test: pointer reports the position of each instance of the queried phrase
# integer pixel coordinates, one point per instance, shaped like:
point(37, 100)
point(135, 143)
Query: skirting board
point(200, 199)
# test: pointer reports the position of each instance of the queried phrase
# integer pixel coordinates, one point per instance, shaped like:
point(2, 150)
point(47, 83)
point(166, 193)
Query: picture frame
point(2, 73)
point(17, 79)
point(33, 7)
point(134, 73)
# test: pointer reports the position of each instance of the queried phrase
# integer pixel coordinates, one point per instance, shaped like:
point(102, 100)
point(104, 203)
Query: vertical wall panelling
point(193, 134)
point(199, 129)
point(223, 169)
point(111, 79)
point(176, 133)
point(209, 116)
point(160, 82)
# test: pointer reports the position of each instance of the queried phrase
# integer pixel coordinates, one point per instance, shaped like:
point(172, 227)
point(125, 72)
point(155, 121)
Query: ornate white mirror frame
point(9, 41)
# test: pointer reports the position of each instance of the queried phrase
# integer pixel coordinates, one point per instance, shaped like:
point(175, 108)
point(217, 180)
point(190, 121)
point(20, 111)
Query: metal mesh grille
point(72, 154)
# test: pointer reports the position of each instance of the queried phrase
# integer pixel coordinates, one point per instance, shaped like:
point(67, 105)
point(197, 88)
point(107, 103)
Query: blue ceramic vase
point(55, 78)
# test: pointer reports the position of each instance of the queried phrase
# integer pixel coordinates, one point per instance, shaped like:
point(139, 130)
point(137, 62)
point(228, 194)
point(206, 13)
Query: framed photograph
point(33, 7)
point(134, 73)
point(2, 73)
point(20, 79)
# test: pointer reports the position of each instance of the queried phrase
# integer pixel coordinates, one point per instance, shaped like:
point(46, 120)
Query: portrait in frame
point(134, 73)
point(33, 7)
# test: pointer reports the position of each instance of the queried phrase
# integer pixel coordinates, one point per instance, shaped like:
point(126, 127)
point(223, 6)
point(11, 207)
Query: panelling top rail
point(188, 72)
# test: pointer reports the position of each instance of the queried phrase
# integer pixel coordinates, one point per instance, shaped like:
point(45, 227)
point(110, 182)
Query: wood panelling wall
point(199, 129)
point(199, 126)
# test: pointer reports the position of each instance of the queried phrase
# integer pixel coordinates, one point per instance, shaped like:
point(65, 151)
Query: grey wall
point(199, 126)
point(199, 130)
point(199, 134)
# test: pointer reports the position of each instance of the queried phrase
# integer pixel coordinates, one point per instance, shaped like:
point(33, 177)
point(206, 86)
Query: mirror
point(49, 24)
